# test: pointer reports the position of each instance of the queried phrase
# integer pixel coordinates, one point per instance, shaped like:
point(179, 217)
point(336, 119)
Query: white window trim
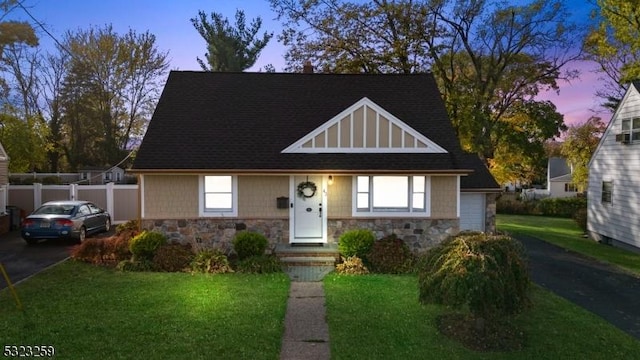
point(234, 199)
point(631, 130)
point(610, 202)
point(405, 214)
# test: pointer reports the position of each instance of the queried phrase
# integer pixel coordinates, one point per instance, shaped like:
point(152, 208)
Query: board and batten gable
point(617, 163)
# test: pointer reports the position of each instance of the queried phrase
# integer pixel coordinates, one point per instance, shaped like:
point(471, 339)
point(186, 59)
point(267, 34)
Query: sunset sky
point(169, 21)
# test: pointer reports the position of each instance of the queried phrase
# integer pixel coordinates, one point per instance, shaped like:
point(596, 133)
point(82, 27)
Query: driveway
point(602, 289)
point(21, 261)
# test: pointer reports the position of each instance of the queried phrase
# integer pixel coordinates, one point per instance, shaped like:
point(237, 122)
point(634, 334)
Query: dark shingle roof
point(242, 122)
point(480, 179)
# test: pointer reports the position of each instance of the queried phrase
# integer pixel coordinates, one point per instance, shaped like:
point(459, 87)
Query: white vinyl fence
point(121, 201)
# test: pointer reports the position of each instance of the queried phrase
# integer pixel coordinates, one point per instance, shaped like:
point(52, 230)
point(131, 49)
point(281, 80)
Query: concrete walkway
point(306, 334)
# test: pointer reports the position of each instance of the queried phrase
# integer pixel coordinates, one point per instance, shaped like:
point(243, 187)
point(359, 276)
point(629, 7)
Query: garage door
point(472, 211)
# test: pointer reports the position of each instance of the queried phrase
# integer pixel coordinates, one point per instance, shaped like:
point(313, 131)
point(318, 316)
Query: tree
point(580, 142)
point(230, 48)
point(108, 93)
point(487, 58)
point(24, 142)
point(614, 44)
point(521, 153)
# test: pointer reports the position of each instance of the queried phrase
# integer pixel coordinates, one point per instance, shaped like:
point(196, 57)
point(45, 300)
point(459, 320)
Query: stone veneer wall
point(418, 234)
point(218, 233)
point(490, 213)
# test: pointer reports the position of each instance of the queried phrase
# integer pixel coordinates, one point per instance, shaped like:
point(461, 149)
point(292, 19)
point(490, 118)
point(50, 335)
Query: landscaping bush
point(352, 265)
point(262, 264)
point(561, 207)
point(89, 251)
point(51, 180)
point(102, 251)
point(356, 243)
point(515, 207)
point(116, 248)
point(145, 244)
point(210, 261)
point(173, 257)
point(390, 255)
point(131, 226)
point(485, 274)
point(247, 244)
point(580, 217)
point(135, 265)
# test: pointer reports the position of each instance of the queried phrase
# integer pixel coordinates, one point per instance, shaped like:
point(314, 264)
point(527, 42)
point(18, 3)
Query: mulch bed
point(497, 335)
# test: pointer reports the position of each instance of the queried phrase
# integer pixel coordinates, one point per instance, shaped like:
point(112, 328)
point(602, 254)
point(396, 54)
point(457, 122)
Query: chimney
point(307, 68)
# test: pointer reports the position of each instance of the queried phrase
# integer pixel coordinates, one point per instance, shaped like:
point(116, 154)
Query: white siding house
point(614, 177)
point(559, 178)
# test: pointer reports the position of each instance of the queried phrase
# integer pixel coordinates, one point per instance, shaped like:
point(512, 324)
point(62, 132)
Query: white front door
point(308, 213)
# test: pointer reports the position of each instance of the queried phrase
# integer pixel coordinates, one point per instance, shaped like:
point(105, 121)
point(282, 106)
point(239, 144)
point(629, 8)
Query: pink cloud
point(576, 100)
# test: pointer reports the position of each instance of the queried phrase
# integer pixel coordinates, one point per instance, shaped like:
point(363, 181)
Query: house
point(101, 175)
point(304, 157)
point(559, 180)
point(613, 197)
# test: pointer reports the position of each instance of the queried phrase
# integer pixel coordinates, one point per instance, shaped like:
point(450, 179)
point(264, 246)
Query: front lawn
point(87, 312)
point(379, 317)
point(565, 233)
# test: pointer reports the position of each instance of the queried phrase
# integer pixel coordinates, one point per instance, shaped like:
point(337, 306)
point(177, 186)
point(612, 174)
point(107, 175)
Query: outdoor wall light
point(330, 179)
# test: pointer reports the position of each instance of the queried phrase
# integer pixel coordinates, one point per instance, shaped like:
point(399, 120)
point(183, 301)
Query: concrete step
point(308, 260)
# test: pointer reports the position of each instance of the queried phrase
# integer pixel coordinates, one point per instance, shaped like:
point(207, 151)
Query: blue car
point(72, 220)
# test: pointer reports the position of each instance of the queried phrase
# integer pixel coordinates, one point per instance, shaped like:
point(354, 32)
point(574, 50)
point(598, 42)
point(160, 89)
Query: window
point(569, 187)
point(219, 196)
point(391, 195)
point(631, 127)
point(607, 192)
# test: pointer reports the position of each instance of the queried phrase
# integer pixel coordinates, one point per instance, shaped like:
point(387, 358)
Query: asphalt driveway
point(21, 260)
point(602, 289)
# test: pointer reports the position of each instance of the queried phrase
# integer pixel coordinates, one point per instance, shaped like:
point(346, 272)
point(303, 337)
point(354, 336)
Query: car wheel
point(31, 241)
point(107, 225)
point(82, 235)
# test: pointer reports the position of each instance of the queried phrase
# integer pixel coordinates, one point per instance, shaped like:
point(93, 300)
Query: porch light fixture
point(330, 180)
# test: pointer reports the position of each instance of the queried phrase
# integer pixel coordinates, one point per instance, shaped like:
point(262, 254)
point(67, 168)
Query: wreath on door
point(307, 189)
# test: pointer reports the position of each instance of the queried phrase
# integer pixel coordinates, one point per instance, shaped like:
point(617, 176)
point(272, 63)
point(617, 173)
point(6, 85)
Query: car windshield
point(55, 210)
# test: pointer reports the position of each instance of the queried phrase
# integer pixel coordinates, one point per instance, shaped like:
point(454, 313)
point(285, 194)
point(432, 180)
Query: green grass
point(379, 317)
point(565, 233)
point(87, 312)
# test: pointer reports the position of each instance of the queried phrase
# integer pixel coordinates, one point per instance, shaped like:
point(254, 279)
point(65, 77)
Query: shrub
point(352, 266)
point(210, 261)
point(89, 251)
point(580, 217)
point(51, 180)
point(356, 243)
point(247, 244)
point(102, 250)
point(515, 207)
point(561, 207)
point(390, 255)
point(145, 244)
point(173, 257)
point(135, 265)
point(263, 264)
point(485, 274)
point(131, 227)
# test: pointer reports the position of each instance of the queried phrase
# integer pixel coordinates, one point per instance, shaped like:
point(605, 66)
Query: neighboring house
point(614, 177)
point(304, 157)
point(101, 175)
point(559, 178)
